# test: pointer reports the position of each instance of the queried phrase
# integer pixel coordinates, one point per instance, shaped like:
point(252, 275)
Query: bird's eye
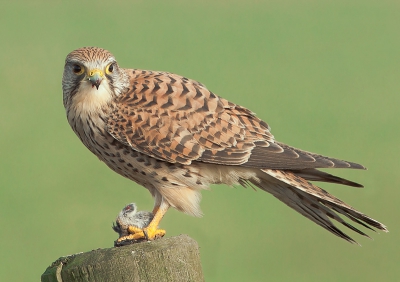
point(77, 69)
point(110, 68)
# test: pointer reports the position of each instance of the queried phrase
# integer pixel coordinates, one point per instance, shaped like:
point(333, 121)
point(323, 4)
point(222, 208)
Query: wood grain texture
point(168, 259)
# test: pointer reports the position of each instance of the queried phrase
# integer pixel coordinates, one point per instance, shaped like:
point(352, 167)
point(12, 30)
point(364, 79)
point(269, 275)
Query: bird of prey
point(131, 221)
point(175, 137)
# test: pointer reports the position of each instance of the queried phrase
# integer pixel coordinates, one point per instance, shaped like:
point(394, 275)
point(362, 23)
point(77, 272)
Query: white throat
point(89, 100)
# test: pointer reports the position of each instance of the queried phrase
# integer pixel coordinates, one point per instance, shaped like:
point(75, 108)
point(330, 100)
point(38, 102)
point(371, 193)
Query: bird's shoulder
point(165, 91)
point(178, 98)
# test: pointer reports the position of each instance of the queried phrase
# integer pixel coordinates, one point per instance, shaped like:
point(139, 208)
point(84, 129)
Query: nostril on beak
point(95, 77)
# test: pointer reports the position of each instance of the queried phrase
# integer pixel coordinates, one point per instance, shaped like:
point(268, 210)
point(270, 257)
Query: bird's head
point(92, 77)
point(129, 210)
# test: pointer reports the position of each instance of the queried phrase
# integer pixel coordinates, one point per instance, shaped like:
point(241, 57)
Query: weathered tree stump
point(167, 259)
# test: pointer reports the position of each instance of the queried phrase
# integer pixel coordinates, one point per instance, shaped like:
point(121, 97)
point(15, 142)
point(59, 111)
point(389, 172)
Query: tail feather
point(314, 203)
point(313, 174)
point(351, 217)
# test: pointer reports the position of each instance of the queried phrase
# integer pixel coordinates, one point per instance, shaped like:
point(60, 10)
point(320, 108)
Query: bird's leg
point(152, 231)
point(157, 202)
point(133, 229)
point(155, 209)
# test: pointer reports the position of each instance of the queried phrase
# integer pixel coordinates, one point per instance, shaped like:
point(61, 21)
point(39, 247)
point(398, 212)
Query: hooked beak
point(95, 77)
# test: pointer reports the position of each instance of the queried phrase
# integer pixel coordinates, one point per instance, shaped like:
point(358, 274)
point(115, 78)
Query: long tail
point(312, 174)
point(313, 202)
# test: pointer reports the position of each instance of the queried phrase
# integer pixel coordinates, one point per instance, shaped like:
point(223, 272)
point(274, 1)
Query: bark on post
point(168, 259)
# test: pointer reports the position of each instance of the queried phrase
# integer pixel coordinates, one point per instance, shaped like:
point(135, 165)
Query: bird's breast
point(90, 128)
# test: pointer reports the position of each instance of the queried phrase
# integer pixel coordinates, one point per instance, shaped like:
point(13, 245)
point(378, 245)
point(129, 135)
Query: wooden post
point(167, 259)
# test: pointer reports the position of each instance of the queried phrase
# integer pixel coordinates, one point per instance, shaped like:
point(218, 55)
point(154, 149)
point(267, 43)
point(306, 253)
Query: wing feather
point(176, 119)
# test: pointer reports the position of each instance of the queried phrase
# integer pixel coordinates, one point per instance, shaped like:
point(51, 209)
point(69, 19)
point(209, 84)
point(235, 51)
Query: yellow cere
point(94, 71)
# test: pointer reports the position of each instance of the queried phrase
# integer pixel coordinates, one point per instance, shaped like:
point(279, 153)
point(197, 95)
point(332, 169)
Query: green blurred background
point(323, 74)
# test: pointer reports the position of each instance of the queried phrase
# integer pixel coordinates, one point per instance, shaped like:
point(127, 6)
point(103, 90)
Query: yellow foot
point(134, 229)
point(153, 233)
point(137, 236)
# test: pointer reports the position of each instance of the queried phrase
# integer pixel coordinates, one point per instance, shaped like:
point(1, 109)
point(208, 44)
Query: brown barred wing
point(176, 119)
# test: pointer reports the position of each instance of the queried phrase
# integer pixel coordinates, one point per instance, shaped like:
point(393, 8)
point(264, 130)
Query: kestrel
point(173, 136)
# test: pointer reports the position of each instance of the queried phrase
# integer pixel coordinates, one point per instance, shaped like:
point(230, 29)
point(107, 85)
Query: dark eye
point(77, 69)
point(110, 68)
